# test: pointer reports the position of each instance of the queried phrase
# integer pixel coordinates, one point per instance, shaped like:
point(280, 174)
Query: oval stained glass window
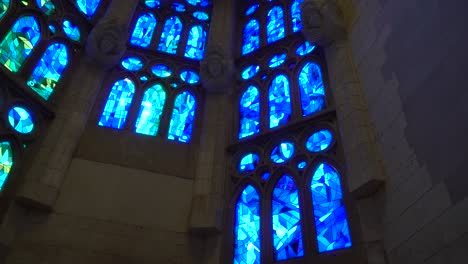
point(301, 165)
point(319, 141)
point(189, 77)
point(72, 31)
point(6, 161)
point(21, 120)
point(283, 152)
point(132, 64)
point(152, 3)
point(266, 175)
point(201, 3)
point(88, 7)
point(252, 9)
point(277, 60)
point(249, 162)
point(201, 15)
point(52, 28)
point(161, 70)
point(178, 7)
point(250, 71)
point(305, 48)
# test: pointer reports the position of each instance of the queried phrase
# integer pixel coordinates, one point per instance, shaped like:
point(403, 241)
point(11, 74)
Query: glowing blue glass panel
point(201, 15)
point(252, 9)
point(19, 42)
point(301, 165)
point(88, 7)
point(275, 24)
point(305, 48)
point(21, 120)
point(319, 141)
point(189, 77)
point(279, 101)
point(196, 43)
point(143, 31)
point(296, 15)
point(52, 28)
point(178, 7)
point(250, 72)
point(249, 162)
point(117, 104)
point(247, 228)
point(251, 37)
point(6, 161)
point(151, 110)
point(72, 31)
point(281, 153)
point(4, 6)
point(144, 78)
point(132, 63)
point(181, 125)
point(49, 70)
point(277, 60)
point(249, 112)
point(311, 89)
point(286, 217)
point(171, 35)
point(331, 224)
point(46, 6)
point(152, 3)
point(266, 175)
point(201, 3)
point(161, 70)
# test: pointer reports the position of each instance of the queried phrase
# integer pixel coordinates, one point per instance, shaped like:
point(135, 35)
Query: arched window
point(311, 89)
point(19, 42)
point(251, 37)
point(88, 7)
point(143, 31)
point(183, 115)
point(249, 112)
point(196, 43)
point(151, 110)
point(275, 25)
point(247, 227)
point(286, 219)
point(49, 70)
point(170, 36)
point(4, 6)
point(279, 101)
point(296, 15)
point(6, 161)
point(117, 104)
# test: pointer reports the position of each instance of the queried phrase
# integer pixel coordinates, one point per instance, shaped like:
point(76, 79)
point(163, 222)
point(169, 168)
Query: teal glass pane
point(132, 64)
point(247, 227)
point(144, 78)
point(296, 15)
point(311, 89)
point(250, 71)
point(6, 161)
point(143, 31)
point(249, 162)
point(178, 7)
point(252, 9)
point(152, 3)
point(201, 15)
point(251, 37)
point(4, 6)
point(183, 115)
point(331, 224)
point(286, 218)
point(189, 77)
point(19, 42)
point(275, 24)
point(151, 110)
point(249, 112)
point(52, 28)
point(161, 70)
point(201, 3)
point(88, 7)
point(301, 165)
point(46, 6)
point(282, 153)
point(305, 48)
point(49, 70)
point(277, 60)
point(319, 141)
point(196, 43)
point(21, 120)
point(279, 101)
point(117, 104)
point(170, 36)
point(71, 30)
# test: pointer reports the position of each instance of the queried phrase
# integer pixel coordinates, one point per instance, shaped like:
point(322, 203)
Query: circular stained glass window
point(319, 141)
point(132, 63)
point(305, 48)
point(189, 77)
point(301, 165)
point(201, 15)
point(283, 152)
point(72, 31)
point(21, 120)
point(277, 60)
point(249, 162)
point(250, 72)
point(161, 70)
point(152, 3)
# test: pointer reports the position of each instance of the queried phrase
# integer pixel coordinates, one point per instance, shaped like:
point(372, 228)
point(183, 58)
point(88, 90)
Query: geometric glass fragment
point(21, 120)
point(151, 110)
point(6, 161)
point(279, 101)
point(249, 112)
point(305, 48)
point(4, 6)
point(88, 7)
point(249, 162)
point(196, 43)
point(282, 152)
point(52, 28)
point(72, 31)
point(201, 3)
point(178, 7)
point(46, 6)
point(143, 31)
point(319, 141)
point(132, 63)
point(152, 3)
point(252, 9)
point(171, 35)
point(301, 165)
point(266, 175)
point(251, 37)
point(311, 89)
point(189, 77)
point(117, 104)
point(296, 15)
point(286, 218)
point(183, 115)
point(201, 15)
point(275, 24)
point(277, 60)
point(161, 70)
point(250, 71)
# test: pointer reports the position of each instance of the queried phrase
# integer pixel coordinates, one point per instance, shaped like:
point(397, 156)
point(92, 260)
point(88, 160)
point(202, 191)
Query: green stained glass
point(46, 6)
point(6, 161)
point(151, 110)
point(4, 5)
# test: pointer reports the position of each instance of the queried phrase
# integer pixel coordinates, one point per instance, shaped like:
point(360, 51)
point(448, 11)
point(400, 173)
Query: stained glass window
point(196, 43)
point(279, 101)
point(132, 63)
point(117, 104)
point(151, 110)
point(161, 70)
point(312, 89)
point(249, 162)
point(21, 120)
point(319, 141)
point(305, 48)
point(72, 31)
point(19, 42)
point(183, 115)
point(152, 3)
point(252, 9)
point(247, 227)
point(250, 71)
point(251, 37)
point(331, 223)
point(4, 6)
point(249, 112)
point(46, 6)
point(171, 35)
point(6, 161)
point(49, 70)
point(277, 60)
point(282, 153)
point(286, 218)
point(275, 24)
point(88, 7)
point(143, 31)
point(189, 77)
point(296, 15)
point(201, 15)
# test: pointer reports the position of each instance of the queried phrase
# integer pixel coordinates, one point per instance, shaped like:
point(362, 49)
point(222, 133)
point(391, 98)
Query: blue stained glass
point(151, 110)
point(296, 15)
point(143, 31)
point(196, 43)
point(52, 28)
point(277, 60)
point(178, 7)
point(305, 48)
point(19, 42)
point(251, 37)
point(247, 228)
point(46, 6)
point(319, 140)
point(6, 161)
point(331, 223)
point(286, 218)
point(283, 152)
point(250, 72)
point(312, 89)
point(21, 120)
point(152, 3)
point(249, 162)
point(161, 70)
point(252, 9)
point(181, 125)
point(279, 101)
point(49, 70)
point(72, 31)
point(301, 165)
point(249, 112)
point(189, 77)
point(171, 35)
point(132, 63)
point(201, 3)
point(201, 15)
point(88, 7)
point(266, 175)
point(4, 6)
point(275, 24)
point(117, 105)
point(144, 78)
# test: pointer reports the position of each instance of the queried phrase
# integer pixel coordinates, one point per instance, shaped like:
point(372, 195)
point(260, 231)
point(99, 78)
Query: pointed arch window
point(88, 7)
point(19, 43)
point(151, 110)
point(183, 115)
point(311, 88)
point(4, 6)
point(296, 15)
point(143, 31)
point(279, 101)
point(196, 43)
point(120, 97)
point(275, 24)
point(249, 112)
point(6, 162)
point(170, 36)
point(251, 37)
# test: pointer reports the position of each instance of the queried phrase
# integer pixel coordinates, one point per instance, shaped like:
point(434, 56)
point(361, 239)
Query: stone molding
point(216, 70)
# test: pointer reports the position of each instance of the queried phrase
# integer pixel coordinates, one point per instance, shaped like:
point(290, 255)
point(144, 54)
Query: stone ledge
point(37, 195)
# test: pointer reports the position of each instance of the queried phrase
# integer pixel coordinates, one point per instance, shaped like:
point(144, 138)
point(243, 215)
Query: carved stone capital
point(107, 42)
point(216, 70)
point(322, 21)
